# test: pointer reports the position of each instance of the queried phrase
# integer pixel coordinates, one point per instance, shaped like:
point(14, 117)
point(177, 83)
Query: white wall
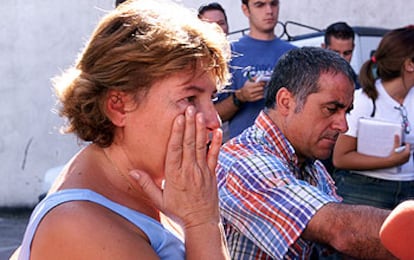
point(38, 39)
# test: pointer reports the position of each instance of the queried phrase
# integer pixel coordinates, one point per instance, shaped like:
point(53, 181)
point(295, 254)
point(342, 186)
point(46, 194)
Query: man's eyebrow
point(259, 3)
point(336, 103)
point(341, 105)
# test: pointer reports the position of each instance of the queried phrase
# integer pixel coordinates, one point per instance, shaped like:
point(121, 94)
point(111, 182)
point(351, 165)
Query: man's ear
point(285, 101)
point(245, 10)
point(115, 104)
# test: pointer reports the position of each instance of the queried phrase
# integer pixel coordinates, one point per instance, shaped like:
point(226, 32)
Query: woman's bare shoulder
point(85, 230)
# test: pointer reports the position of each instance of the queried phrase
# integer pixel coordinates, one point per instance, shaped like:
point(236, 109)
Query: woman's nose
point(211, 117)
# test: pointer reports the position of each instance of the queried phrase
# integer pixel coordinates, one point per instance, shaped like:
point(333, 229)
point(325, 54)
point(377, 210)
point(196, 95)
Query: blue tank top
point(164, 243)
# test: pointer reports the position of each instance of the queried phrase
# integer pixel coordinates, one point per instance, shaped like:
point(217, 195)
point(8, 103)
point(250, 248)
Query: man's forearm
point(350, 229)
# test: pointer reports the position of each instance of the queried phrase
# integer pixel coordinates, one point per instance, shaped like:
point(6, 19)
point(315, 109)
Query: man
point(214, 13)
point(276, 198)
point(253, 58)
point(118, 2)
point(339, 37)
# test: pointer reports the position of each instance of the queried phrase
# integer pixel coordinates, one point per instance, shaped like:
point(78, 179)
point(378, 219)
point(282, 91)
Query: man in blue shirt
point(253, 57)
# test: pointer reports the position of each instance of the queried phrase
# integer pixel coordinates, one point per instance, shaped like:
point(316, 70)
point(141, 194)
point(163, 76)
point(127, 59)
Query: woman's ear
point(409, 65)
point(284, 101)
point(115, 106)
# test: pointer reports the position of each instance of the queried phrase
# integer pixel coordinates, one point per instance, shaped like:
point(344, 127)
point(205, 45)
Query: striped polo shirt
point(266, 197)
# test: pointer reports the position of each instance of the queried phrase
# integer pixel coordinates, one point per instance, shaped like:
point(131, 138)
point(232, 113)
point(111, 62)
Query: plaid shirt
point(266, 197)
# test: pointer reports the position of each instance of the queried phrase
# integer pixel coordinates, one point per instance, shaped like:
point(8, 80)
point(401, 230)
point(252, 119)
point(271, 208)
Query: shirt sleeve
point(265, 202)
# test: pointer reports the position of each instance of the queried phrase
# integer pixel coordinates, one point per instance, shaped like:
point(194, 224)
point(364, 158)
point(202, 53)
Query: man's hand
point(251, 91)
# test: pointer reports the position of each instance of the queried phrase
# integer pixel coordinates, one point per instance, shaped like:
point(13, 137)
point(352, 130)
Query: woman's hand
point(190, 194)
point(397, 156)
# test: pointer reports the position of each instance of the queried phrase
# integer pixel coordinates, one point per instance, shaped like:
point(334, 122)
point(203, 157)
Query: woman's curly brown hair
point(134, 46)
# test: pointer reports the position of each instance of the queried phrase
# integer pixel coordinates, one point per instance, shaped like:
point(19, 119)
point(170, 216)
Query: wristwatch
point(236, 101)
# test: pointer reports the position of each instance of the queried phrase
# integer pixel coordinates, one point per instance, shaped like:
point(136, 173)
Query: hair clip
point(373, 59)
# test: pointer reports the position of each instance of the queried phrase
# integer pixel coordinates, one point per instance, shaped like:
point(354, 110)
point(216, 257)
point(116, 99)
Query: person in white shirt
point(387, 94)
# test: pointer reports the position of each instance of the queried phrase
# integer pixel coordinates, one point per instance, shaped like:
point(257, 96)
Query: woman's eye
point(191, 99)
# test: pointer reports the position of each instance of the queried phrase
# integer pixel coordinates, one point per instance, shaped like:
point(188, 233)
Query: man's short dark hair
point(118, 2)
point(211, 6)
point(299, 71)
point(339, 30)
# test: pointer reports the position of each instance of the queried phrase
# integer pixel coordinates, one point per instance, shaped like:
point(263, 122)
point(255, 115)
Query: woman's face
point(148, 127)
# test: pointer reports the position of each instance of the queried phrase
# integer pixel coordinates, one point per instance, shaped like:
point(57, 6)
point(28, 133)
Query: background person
point(118, 2)
point(253, 58)
point(146, 112)
point(387, 94)
point(214, 13)
point(276, 198)
point(340, 38)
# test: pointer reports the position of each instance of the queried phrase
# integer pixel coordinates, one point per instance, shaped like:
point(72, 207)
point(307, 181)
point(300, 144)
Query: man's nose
point(340, 123)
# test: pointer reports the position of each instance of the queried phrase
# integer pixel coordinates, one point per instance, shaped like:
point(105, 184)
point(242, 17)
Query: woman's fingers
point(201, 141)
point(173, 159)
point(149, 187)
point(189, 142)
point(189, 194)
point(214, 149)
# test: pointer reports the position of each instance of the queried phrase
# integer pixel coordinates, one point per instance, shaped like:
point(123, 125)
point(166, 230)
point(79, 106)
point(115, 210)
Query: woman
point(387, 94)
point(144, 187)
